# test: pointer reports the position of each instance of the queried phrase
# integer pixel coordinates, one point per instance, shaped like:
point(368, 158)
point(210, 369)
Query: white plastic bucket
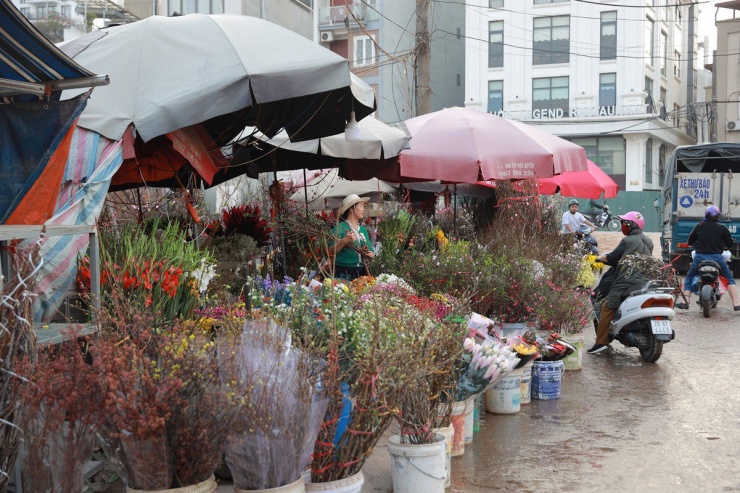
point(417, 468)
point(505, 395)
point(469, 419)
point(294, 487)
point(574, 361)
point(448, 432)
point(457, 419)
point(526, 390)
point(207, 486)
point(352, 484)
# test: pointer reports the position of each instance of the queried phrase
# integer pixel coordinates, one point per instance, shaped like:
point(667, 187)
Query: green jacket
point(346, 257)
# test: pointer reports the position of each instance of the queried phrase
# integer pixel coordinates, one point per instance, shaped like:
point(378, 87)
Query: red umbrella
point(584, 184)
point(466, 146)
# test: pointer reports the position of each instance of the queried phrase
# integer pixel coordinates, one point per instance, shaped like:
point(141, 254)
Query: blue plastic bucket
point(546, 377)
point(344, 415)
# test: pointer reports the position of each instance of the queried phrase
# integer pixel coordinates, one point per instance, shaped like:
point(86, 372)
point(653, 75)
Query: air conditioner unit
point(733, 126)
point(327, 36)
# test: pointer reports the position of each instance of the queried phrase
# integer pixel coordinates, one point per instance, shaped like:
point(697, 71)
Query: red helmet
point(635, 217)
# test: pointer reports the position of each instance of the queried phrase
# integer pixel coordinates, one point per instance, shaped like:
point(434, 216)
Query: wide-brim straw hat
point(349, 201)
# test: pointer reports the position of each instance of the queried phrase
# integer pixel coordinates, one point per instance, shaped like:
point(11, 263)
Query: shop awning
point(31, 64)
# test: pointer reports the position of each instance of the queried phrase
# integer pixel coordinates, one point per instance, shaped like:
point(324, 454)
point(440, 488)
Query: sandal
point(737, 308)
point(685, 306)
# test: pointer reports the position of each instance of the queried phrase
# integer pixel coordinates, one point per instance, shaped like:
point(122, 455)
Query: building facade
point(378, 37)
point(727, 78)
point(614, 77)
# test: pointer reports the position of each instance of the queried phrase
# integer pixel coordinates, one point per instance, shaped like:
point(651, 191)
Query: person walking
point(709, 238)
point(573, 220)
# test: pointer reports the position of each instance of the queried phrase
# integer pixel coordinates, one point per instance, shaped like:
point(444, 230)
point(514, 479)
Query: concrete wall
point(448, 54)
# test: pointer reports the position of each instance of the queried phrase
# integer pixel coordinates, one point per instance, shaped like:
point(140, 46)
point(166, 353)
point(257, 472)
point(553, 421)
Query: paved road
point(620, 424)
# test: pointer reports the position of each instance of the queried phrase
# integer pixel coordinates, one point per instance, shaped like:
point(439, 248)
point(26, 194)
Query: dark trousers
point(349, 273)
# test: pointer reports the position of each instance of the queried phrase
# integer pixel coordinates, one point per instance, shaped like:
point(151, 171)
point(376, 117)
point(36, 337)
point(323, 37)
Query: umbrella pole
point(454, 211)
point(305, 191)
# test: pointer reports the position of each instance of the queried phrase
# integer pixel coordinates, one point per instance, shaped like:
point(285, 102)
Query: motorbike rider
point(709, 238)
point(634, 242)
point(572, 219)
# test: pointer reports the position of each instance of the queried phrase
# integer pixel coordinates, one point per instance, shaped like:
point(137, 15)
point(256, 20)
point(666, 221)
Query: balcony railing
point(361, 11)
point(546, 2)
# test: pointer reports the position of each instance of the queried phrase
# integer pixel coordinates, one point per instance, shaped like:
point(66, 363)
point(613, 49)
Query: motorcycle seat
point(708, 266)
point(633, 290)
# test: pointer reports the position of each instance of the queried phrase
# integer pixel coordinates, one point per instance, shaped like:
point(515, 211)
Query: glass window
point(545, 2)
point(41, 12)
point(664, 60)
point(495, 96)
point(26, 11)
point(496, 44)
point(676, 116)
point(607, 152)
point(550, 93)
point(608, 44)
point(663, 95)
point(607, 90)
point(661, 163)
point(364, 51)
point(551, 40)
point(677, 64)
point(649, 161)
point(459, 79)
point(495, 4)
point(649, 101)
point(648, 41)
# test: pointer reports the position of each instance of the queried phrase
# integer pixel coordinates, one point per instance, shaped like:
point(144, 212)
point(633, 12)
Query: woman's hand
point(350, 237)
point(367, 253)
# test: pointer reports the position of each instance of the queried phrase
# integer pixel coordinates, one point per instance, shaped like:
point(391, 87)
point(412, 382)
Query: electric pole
point(422, 73)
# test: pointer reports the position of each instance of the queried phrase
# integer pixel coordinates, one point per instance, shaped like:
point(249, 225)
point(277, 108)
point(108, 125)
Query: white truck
point(698, 176)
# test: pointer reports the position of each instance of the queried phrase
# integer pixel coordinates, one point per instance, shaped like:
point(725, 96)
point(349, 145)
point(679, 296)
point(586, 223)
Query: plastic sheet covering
point(138, 469)
point(69, 450)
point(271, 443)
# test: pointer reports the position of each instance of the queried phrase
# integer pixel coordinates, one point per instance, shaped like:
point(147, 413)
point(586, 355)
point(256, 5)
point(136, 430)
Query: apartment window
point(364, 51)
point(496, 44)
point(495, 96)
point(608, 35)
point(676, 116)
point(608, 152)
point(648, 41)
point(41, 12)
point(550, 93)
point(26, 11)
point(551, 40)
point(66, 11)
point(677, 64)
point(661, 163)
point(664, 45)
point(649, 101)
point(663, 95)
point(495, 4)
point(195, 7)
point(459, 80)
point(649, 161)
point(607, 90)
point(545, 2)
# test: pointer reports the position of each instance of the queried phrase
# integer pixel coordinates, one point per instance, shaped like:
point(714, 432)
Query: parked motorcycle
point(599, 215)
point(586, 241)
point(706, 285)
point(643, 319)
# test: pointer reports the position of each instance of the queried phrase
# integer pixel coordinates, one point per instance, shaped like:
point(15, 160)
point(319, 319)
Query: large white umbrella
point(167, 73)
point(375, 141)
point(327, 190)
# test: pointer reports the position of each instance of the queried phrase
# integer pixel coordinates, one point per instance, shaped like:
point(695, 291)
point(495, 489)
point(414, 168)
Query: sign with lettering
point(593, 111)
point(696, 191)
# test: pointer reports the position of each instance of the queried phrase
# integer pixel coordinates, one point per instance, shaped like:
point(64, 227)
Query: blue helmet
point(712, 213)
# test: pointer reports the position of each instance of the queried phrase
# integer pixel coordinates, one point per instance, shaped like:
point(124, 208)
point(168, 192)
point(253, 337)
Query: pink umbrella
point(584, 184)
point(466, 146)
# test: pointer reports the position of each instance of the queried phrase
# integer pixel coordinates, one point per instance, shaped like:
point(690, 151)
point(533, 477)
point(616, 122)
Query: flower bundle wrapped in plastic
point(278, 384)
point(482, 365)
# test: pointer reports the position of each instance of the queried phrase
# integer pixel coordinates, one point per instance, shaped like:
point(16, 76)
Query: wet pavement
point(619, 425)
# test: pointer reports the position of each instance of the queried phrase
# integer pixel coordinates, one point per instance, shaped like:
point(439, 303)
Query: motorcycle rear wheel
point(705, 300)
point(614, 224)
point(654, 349)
